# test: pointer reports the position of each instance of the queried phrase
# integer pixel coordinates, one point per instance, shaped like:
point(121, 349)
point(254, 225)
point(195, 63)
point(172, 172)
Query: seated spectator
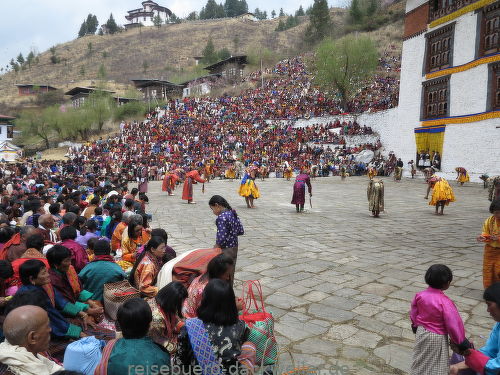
point(87, 232)
point(101, 270)
point(89, 211)
point(220, 267)
point(27, 333)
point(35, 246)
point(6, 234)
point(116, 238)
point(45, 226)
point(134, 237)
point(99, 219)
point(65, 279)
point(147, 266)
point(6, 272)
point(34, 276)
point(16, 246)
point(135, 349)
point(55, 211)
point(68, 237)
point(227, 335)
point(167, 315)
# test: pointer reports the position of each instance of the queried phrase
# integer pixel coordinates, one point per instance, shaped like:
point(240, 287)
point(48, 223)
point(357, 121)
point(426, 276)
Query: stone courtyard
point(339, 282)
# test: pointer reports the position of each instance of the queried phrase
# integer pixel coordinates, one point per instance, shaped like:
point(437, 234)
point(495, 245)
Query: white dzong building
point(146, 14)
point(449, 98)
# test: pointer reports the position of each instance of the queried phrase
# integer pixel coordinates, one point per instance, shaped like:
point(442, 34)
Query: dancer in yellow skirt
point(248, 188)
point(491, 238)
point(230, 173)
point(442, 193)
point(372, 172)
point(462, 175)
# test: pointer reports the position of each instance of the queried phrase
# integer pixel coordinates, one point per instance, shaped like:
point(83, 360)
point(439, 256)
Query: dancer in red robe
point(191, 178)
point(169, 181)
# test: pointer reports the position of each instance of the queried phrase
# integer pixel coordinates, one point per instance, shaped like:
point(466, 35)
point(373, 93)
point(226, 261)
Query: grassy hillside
point(167, 52)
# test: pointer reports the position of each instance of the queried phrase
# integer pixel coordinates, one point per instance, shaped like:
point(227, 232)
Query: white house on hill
point(146, 14)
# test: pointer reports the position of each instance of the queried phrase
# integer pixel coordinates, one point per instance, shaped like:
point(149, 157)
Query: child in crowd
point(98, 218)
point(434, 318)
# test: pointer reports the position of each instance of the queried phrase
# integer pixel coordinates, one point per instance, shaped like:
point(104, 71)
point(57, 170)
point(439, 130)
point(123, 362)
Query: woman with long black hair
point(147, 266)
point(229, 227)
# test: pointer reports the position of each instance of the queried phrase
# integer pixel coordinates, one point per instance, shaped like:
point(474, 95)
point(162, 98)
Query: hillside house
point(146, 14)
point(6, 127)
point(231, 68)
point(200, 86)
point(80, 94)
point(27, 89)
point(157, 89)
point(248, 17)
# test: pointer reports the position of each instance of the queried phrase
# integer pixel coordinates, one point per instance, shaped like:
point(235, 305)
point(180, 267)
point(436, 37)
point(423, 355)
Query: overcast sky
point(40, 24)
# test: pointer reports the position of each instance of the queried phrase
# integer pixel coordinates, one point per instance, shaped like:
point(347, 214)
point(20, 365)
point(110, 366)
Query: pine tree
point(372, 8)
point(95, 24)
point(242, 7)
point(209, 54)
point(319, 22)
point(281, 26)
point(111, 25)
point(231, 8)
point(83, 30)
point(273, 14)
point(157, 21)
point(300, 12)
point(282, 14)
point(20, 59)
point(264, 15)
point(210, 10)
point(223, 54)
point(192, 16)
point(355, 12)
point(30, 58)
point(174, 19)
point(220, 11)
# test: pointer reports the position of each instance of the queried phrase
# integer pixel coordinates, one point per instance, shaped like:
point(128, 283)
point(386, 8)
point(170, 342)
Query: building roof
point(34, 84)
point(233, 59)
point(214, 75)
point(145, 82)
point(5, 117)
point(85, 90)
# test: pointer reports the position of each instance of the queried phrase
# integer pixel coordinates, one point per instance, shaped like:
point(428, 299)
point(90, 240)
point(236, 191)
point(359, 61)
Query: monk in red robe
point(192, 177)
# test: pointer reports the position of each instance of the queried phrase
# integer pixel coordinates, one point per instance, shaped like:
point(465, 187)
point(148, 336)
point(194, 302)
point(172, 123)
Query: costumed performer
point(442, 193)
point(462, 175)
point(375, 193)
point(248, 188)
point(299, 189)
point(192, 177)
point(230, 173)
point(169, 181)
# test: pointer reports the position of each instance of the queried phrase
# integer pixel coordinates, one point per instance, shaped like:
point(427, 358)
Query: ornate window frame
point(435, 98)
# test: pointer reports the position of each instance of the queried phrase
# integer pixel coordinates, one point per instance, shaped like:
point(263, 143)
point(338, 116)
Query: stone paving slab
point(338, 281)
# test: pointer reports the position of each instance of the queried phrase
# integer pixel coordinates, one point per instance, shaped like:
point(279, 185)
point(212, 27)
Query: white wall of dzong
point(474, 146)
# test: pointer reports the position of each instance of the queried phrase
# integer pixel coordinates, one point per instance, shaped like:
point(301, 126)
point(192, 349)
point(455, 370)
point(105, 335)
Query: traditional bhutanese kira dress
point(491, 259)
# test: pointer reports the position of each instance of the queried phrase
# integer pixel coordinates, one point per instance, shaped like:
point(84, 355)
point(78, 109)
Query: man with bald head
point(45, 225)
point(27, 333)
